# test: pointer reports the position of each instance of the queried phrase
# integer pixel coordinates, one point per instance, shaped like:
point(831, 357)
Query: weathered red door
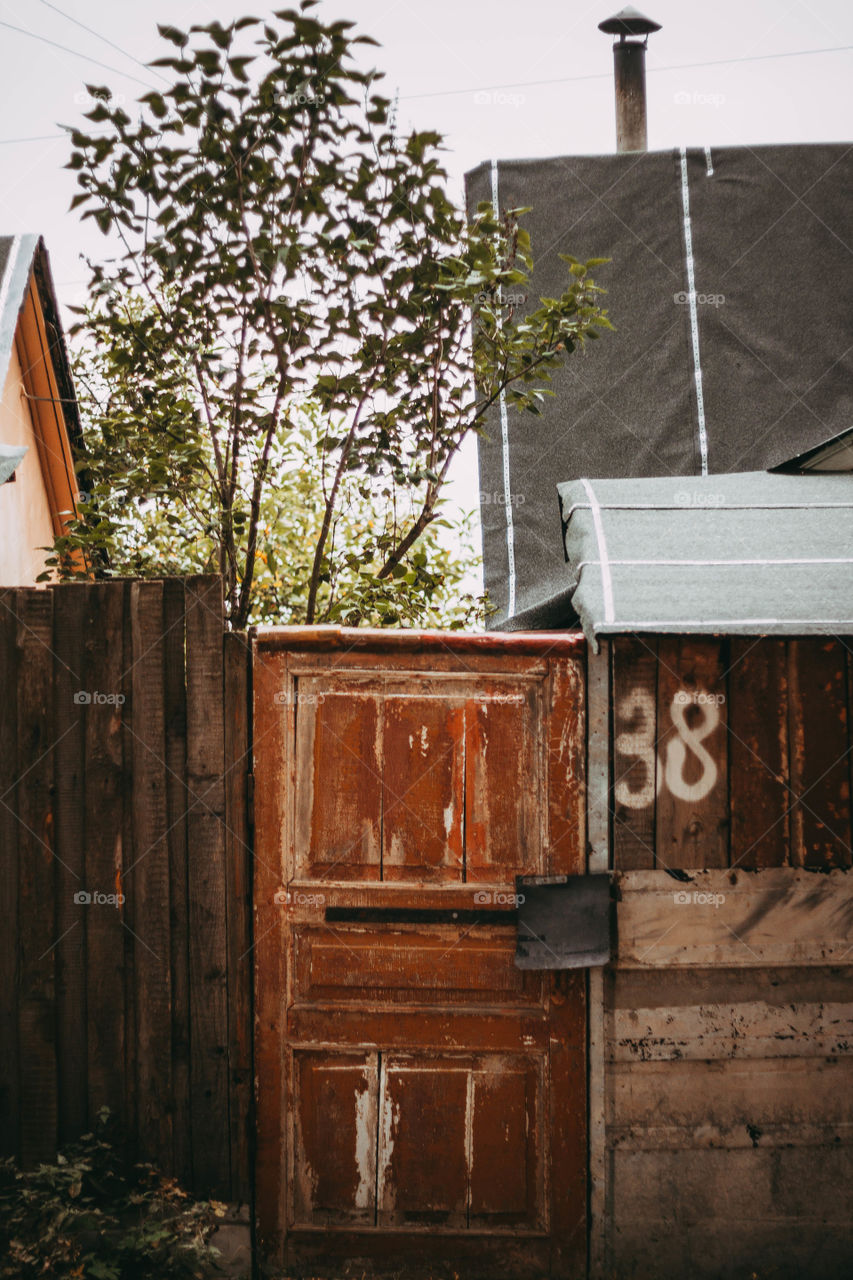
point(420, 1101)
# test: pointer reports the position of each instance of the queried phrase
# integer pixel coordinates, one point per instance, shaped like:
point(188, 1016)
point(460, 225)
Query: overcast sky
point(463, 67)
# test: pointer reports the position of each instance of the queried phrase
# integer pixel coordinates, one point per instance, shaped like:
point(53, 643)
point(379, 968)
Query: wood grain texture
point(36, 878)
point(634, 683)
point(758, 751)
point(339, 781)
point(107, 812)
point(69, 728)
point(564, 734)
point(423, 781)
point(504, 784)
point(175, 716)
point(692, 830)
point(206, 870)
point(274, 726)
point(10, 1110)
point(238, 900)
point(820, 754)
point(724, 1031)
point(148, 880)
point(776, 916)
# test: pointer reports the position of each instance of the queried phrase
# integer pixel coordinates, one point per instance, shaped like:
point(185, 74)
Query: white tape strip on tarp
point(510, 528)
point(694, 318)
point(606, 581)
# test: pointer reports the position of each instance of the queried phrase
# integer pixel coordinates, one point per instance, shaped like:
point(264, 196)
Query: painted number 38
point(638, 708)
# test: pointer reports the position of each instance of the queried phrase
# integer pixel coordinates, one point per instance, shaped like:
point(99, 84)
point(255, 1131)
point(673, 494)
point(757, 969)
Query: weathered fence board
point(733, 752)
point(175, 713)
point(728, 1112)
point(147, 879)
point(69, 728)
point(10, 1110)
point(238, 904)
point(116, 942)
point(781, 915)
point(758, 745)
point(105, 854)
point(206, 866)
point(36, 876)
point(635, 758)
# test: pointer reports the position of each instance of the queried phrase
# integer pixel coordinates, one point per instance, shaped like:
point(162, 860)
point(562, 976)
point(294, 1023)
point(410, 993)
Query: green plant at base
point(94, 1216)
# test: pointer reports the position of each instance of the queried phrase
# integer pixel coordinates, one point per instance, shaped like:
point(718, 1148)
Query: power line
point(607, 75)
point(74, 53)
point(44, 137)
point(98, 36)
point(41, 137)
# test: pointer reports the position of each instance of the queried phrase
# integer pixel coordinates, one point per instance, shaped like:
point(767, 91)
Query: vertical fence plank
point(635, 758)
point(819, 747)
point(105, 1007)
point(238, 890)
point(128, 847)
point(206, 869)
point(148, 882)
point(69, 619)
point(565, 771)
point(758, 750)
point(273, 729)
point(37, 878)
point(693, 802)
point(176, 802)
point(9, 933)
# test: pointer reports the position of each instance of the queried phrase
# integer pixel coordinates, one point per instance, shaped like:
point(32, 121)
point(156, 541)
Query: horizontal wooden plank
point(413, 966)
point(378, 641)
point(752, 1030)
point(739, 1191)
point(776, 916)
point(682, 1104)
point(306, 901)
point(740, 1136)
point(401, 1028)
point(663, 988)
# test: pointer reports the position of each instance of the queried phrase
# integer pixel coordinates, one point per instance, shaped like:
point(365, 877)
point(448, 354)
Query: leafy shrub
point(94, 1214)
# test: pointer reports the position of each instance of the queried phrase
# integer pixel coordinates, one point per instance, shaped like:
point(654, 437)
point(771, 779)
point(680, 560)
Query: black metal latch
point(563, 923)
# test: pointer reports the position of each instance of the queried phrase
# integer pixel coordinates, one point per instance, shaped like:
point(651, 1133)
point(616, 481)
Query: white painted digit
point(676, 754)
point(640, 742)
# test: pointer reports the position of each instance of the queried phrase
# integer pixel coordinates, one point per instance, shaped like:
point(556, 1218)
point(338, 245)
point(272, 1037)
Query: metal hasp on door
point(564, 924)
point(421, 1101)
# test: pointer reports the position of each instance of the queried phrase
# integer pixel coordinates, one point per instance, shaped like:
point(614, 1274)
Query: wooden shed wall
point(727, 1026)
point(122, 774)
point(730, 752)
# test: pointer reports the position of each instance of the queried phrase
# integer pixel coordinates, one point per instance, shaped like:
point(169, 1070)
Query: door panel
point(335, 1143)
point(337, 737)
point(423, 799)
point(421, 1102)
point(423, 1173)
point(410, 965)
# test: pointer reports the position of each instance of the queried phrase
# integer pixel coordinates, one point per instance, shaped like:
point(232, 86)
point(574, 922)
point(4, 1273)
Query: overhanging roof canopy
point(752, 554)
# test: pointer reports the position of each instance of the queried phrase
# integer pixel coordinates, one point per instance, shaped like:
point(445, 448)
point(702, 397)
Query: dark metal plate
point(563, 925)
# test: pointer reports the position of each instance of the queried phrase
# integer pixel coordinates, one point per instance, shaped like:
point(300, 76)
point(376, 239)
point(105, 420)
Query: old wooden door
point(420, 1101)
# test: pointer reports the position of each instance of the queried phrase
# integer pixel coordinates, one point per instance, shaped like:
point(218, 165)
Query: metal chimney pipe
point(629, 74)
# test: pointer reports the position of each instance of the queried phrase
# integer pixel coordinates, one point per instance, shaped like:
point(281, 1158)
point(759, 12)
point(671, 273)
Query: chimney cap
point(629, 22)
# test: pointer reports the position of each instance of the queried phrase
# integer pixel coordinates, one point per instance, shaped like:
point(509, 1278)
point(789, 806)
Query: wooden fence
point(125, 875)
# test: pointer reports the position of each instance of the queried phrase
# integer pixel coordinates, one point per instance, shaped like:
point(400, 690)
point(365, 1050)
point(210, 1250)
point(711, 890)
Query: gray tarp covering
point(751, 370)
point(754, 554)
